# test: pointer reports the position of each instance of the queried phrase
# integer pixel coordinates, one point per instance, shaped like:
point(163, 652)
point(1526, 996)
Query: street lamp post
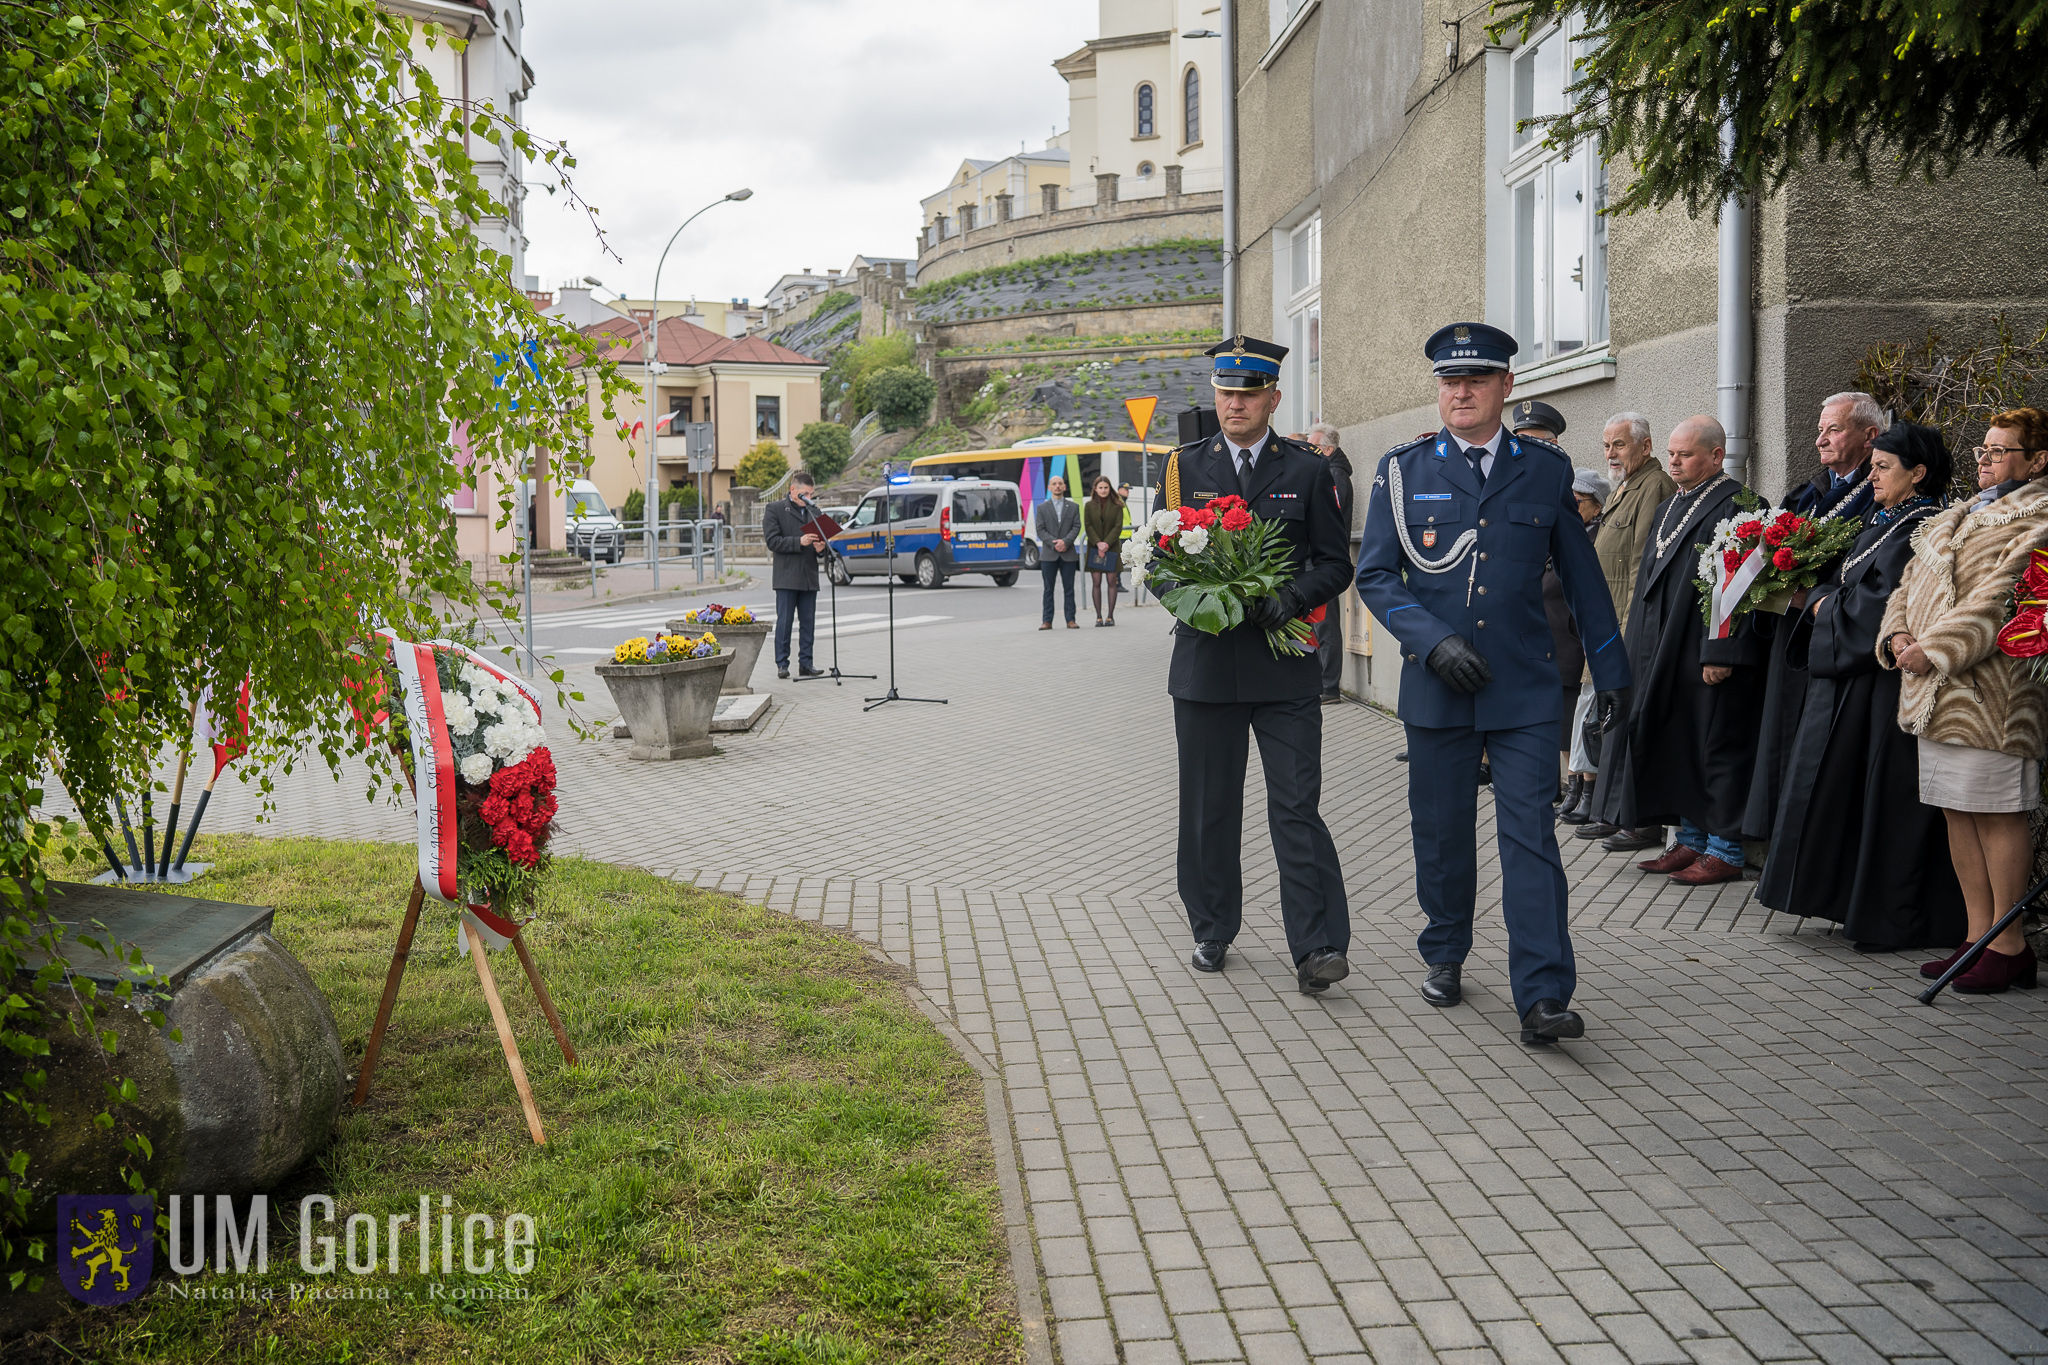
point(650, 343)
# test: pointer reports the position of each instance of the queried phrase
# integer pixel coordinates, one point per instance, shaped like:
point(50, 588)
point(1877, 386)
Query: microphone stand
point(889, 534)
point(832, 587)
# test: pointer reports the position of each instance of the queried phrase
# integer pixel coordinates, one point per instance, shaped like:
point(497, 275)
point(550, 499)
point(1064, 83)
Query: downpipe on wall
point(1735, 325)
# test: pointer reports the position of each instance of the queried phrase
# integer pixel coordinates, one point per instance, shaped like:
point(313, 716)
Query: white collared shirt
point(1492, 448)
point(1246, 458)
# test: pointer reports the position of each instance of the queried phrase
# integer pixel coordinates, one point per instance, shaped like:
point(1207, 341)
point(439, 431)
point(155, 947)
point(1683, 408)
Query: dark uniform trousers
point(1228, 687)
point(1524, 761)
point(1215, 749)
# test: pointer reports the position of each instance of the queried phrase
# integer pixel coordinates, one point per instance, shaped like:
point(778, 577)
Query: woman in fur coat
point(1979, 715)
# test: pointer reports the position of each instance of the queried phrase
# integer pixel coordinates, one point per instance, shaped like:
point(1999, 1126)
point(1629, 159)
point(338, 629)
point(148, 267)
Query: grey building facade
point(1383, 191)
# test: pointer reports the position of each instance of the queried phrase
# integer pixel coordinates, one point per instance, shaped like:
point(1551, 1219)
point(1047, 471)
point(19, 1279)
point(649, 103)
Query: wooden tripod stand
point(489, 983)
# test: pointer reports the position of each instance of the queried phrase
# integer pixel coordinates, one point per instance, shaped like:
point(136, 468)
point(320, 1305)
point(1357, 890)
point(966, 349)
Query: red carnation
point(1731, 560)
point(493, 810)
point(1191, 517)
point(1777, 534)
point(1229, 502)
point(1236, 519)
point(1785, 559)
point(1788, 520)
point(1750, 530)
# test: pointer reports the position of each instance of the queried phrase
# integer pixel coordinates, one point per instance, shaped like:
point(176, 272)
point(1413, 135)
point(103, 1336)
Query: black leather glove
point(1271, 613)
point(1462, 667)
point(1611, 708)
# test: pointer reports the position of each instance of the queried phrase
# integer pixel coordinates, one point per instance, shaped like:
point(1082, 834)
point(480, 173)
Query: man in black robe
point(1849, 422)
point(1852, 842)
point(1686, 754)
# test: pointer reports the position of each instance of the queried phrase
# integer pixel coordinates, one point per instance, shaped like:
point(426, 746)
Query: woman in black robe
point(1851, 842)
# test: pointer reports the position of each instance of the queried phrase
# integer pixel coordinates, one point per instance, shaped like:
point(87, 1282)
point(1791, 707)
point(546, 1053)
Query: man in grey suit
point(796, 572)
point(1058, 524)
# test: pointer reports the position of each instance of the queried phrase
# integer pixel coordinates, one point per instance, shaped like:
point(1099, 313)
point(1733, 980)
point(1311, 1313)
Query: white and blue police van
point(926, 531)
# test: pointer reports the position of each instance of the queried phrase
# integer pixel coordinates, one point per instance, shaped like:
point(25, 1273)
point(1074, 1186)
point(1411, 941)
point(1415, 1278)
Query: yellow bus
point(1031, 464)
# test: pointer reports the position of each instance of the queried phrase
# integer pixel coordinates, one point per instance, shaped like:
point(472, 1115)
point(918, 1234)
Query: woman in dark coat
point(1851, 842)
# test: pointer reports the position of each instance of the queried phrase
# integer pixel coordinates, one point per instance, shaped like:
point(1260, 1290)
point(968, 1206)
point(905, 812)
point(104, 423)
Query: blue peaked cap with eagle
point(1244, 362)
point(1469, 348)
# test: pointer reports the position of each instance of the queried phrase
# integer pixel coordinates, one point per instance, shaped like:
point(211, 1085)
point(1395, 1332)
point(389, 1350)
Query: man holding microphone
point(796, 553)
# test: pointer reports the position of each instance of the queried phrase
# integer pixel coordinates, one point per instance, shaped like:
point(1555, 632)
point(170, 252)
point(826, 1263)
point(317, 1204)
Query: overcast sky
point(839, 114)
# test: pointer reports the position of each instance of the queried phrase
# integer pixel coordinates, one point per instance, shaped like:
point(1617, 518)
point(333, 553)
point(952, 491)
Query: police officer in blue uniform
point(1456, 532)
point(1228, 687)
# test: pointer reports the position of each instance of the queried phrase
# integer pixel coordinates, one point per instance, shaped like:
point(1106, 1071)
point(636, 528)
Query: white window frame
point(1304, 256)
point(1532, 176)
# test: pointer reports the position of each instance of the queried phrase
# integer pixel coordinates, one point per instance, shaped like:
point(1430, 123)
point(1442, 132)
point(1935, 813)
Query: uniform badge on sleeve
point(1429, 539)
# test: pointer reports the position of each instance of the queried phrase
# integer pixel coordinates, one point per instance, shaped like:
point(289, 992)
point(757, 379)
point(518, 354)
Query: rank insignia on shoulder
point(1429, 539)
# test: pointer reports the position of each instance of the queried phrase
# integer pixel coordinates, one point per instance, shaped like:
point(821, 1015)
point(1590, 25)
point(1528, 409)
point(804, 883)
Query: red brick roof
point(685, 343)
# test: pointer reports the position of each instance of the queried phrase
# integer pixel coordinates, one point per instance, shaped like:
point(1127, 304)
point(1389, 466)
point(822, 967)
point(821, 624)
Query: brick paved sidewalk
point(1763, 1150)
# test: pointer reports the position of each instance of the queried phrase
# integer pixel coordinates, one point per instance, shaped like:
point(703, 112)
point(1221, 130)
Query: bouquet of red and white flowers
point(1758, 559)
point(1209, 563)
point(2025, 633)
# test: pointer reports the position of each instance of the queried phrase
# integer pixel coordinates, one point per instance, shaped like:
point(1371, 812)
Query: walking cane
point(1976, 950)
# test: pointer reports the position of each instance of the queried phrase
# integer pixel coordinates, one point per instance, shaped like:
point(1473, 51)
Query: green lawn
point(767, 1155)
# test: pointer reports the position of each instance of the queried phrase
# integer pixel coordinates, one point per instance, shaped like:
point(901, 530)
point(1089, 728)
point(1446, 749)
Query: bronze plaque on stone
point(177, 934)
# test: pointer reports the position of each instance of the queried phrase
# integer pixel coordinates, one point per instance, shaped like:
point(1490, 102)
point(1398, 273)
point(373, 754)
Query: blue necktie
point(1476, 454)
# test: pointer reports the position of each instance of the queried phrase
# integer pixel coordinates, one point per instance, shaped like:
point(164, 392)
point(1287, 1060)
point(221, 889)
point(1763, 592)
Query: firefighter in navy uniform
point(1457, 528)
point(1228, 687)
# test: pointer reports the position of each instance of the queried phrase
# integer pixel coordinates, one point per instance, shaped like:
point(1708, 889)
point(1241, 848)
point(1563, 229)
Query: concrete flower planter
point(668, 707)
point(744, 642)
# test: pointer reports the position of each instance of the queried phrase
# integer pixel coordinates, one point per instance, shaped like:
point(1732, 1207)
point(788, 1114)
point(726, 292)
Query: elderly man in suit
point(796, 572)
point(1057, 522)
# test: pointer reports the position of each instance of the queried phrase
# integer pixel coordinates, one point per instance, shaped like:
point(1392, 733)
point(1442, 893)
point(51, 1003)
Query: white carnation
point(1139, 551)
point(476, 769)
point(1194, 540)
point(1165, 522)
point(485, 700)
point(501, 739)
point(459, 714)
point(475, 678)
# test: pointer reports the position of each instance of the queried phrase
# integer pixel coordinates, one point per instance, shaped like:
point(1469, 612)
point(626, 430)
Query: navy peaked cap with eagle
point(1469, 348)
point(1244, 362)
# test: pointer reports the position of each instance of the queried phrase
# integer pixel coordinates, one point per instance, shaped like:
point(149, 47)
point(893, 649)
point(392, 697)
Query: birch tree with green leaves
point(242, 309)
point(1905, 87)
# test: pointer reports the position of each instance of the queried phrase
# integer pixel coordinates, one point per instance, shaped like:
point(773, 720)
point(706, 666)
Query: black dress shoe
point(1445, 984)
point(1628, 840)
point(1209, 955)
point(1596, 829)
point(781, 672)
point(809, 672)
point(1547, 1021)
point(1319, 969)
point(1332, 698)
point(1401, 757)
point(1485, 775)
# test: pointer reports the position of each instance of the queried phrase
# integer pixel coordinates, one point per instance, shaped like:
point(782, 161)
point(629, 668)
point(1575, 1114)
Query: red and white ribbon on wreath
point(1728, 596)
point(434, 781)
